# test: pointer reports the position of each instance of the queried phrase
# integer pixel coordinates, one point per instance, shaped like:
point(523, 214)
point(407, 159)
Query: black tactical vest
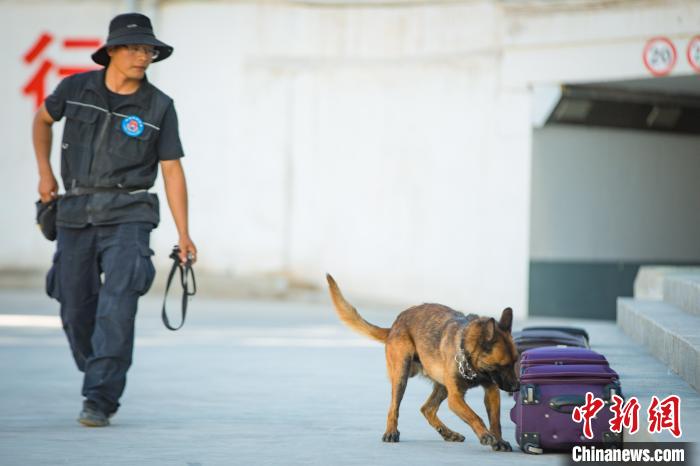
point(99, 150)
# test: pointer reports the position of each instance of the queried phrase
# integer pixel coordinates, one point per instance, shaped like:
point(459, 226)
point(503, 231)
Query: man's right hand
point(48, 188)
point(42, 137)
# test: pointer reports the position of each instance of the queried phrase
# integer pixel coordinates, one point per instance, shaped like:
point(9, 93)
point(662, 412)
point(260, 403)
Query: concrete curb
point(683, 292)
point(669, 333)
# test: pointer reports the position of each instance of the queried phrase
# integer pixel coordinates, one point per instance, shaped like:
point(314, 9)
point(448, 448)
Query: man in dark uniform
point(119, 128)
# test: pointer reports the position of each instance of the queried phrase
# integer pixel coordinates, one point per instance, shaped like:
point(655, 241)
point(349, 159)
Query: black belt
point(81, 191)
point(185, 272)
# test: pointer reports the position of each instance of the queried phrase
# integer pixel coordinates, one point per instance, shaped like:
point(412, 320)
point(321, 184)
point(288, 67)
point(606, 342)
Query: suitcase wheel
point(532, 449)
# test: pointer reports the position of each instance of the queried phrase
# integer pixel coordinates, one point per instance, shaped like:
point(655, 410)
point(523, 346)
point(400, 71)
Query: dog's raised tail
point(350, 317)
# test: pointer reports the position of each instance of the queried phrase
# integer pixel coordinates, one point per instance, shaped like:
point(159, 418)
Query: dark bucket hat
point(127, 29)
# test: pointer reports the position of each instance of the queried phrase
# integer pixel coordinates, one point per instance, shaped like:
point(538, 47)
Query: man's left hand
point(187, 247)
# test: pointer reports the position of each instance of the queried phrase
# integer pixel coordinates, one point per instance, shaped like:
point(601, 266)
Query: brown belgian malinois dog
point(455, 351)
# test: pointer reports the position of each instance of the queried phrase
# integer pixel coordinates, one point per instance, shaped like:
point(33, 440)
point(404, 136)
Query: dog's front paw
point(501, 445)
point(488, 438)
point(450, 436)
point(391, 437)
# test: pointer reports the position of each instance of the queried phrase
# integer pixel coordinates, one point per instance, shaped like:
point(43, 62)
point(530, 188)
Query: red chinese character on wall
point(665, 414)
point(587, 412)
point(624, 416)
point(36, 85)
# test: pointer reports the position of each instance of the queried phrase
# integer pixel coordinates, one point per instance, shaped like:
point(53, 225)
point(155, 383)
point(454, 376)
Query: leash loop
point(186, 277)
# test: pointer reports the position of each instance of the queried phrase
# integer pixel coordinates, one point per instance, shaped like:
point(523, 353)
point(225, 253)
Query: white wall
point(365, 142)
point(609, 195)
point(587, 41)
point(389, 145)
point(21, 24)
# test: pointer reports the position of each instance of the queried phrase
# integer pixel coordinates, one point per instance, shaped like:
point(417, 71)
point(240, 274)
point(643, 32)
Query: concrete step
point(683, 291)
point(669, 333)
point(649, 283)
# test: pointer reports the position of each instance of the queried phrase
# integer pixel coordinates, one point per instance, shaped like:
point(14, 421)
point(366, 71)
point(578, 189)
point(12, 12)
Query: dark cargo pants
point(98, 274)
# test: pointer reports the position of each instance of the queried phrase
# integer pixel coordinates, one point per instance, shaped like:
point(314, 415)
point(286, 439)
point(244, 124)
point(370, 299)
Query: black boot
point(92, 415)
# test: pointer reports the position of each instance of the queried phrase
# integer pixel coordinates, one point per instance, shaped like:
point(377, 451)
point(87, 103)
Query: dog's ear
point(489, 330)
point(506, 323)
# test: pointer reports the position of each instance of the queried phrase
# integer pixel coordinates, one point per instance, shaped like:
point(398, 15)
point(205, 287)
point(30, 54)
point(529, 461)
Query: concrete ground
point(254, 382)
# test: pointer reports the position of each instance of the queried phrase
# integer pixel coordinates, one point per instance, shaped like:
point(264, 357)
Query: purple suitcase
point(550, 392)
point(539, 337)
point(560, 356)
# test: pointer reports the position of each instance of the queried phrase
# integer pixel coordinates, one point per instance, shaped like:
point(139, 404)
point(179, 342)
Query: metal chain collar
point(465, 369)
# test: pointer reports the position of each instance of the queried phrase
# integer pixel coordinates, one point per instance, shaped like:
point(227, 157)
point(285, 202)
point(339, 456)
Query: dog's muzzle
point(505, 383)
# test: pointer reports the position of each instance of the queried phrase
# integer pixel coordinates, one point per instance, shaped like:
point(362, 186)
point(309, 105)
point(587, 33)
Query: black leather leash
point(186, 271)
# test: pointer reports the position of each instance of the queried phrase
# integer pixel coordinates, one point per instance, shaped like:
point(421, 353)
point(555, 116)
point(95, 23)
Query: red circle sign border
point(673, 49)
point(693, 64)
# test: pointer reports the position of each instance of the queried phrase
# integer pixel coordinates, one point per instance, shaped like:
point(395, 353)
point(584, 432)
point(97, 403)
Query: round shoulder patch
point(132, 126)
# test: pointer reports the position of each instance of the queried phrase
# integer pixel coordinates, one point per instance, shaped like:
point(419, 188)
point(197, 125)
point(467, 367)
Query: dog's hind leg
point(429, 410)
point(399, 360)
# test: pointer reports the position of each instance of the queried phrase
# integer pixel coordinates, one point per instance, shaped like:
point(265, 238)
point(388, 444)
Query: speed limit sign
point(694, 53)
point(659, 56)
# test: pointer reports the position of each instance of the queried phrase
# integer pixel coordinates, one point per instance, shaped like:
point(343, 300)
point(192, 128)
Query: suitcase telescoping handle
point(566, 403)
